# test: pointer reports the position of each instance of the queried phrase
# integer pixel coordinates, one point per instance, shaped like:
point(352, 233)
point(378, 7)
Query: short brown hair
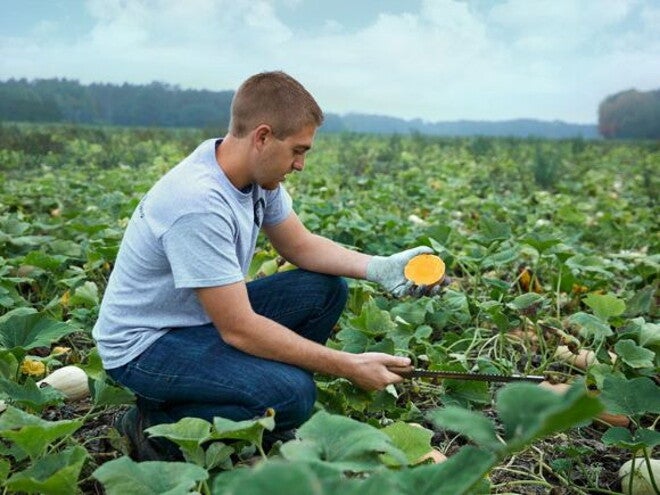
point(273, 98)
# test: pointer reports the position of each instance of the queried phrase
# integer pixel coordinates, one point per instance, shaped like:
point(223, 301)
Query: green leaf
point(32, 330)
point(529, 412)
point(641, 302)
point(541, 241)
point(411, 440)
point(341, 443)
point(87, 295)
point(30, 395)
point(491, 230)
point(249, 430)
point(624, 438)
point(53, 474)
point(473, 425)
point(5, 467)
point(630, 397)
point(457, 475)
point(272, 478)
point(589, 264)
point(373, 321)
point(123, 476)
point(634, 355)
point(501, 257)
point(104, 394)
point(605, 306)
point(218, 455)
point(590, 326)
point(188, 433)
point(8, 364)
point(31, 433)
point(649, 333)
point(527, 301)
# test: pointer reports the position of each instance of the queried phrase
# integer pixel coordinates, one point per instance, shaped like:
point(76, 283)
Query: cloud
point(550, 59)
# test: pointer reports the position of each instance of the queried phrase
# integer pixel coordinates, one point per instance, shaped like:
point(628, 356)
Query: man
point(179, 325)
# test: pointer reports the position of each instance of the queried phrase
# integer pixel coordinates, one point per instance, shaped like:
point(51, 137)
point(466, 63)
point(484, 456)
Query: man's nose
point(299, 164)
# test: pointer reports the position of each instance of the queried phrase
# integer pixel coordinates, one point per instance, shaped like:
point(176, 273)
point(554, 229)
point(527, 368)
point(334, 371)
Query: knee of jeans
point(337, 291)
point(299, 405)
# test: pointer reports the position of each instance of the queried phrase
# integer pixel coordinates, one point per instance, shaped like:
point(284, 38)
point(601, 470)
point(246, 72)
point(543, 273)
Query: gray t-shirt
point(192, 229)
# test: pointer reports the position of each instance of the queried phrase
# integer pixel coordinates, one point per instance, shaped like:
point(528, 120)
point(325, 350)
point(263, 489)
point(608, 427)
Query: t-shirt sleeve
point(202, 252)
point(278, 206)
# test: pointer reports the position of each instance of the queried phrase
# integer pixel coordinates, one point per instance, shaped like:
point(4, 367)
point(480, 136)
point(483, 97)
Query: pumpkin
point(425, 269)
point(70, 380)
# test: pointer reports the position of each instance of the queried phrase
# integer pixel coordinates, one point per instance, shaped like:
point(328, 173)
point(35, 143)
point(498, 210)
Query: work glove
point(388, 272)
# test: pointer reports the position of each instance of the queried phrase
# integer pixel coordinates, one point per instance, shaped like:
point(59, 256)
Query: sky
point(436, 60)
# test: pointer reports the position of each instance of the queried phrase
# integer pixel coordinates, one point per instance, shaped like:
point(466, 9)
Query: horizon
point(434, 61)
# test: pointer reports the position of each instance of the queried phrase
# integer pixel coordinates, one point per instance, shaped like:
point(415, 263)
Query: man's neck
point(231, 157)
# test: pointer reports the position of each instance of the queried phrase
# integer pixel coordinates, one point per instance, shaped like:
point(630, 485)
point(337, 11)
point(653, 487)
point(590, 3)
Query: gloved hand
point(388, 272)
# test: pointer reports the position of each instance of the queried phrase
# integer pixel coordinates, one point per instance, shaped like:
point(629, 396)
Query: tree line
point(155, 104)
point(629, 114)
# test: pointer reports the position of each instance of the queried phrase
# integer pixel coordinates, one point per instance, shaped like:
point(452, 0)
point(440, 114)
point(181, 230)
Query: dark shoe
point(131, 424)
point(271, 438)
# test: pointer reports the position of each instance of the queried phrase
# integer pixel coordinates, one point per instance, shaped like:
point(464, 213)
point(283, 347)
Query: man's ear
point(261, 134)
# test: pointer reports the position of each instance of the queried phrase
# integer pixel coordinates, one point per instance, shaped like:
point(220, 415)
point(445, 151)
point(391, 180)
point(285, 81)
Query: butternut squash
point(425, 269)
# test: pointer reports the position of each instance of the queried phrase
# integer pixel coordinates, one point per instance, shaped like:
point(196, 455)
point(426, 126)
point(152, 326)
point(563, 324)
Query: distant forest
point(626, 115)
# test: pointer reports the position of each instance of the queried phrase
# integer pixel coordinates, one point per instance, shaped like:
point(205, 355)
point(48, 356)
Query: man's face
point(281, 157)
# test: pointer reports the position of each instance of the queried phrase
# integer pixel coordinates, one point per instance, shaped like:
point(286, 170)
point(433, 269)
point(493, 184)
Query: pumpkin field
point(551, 253)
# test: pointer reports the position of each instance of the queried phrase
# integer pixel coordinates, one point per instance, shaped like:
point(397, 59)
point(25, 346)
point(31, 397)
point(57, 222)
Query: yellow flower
point(33, 368)
point(64, 300)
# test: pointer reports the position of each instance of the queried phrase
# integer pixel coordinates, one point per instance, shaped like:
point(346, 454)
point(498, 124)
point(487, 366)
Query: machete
point(465, 375)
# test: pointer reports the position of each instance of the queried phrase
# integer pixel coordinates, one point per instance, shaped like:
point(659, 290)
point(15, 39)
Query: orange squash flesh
point(425, 269)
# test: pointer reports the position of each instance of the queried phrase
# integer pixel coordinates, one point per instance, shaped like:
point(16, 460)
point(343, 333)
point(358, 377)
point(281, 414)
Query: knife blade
point(465, 375)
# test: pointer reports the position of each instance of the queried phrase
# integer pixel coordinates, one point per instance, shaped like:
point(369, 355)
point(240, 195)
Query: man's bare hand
point(371, 370)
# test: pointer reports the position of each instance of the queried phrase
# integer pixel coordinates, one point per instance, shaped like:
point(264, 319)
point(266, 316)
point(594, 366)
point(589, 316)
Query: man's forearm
point(268, 339)
point(319, 254)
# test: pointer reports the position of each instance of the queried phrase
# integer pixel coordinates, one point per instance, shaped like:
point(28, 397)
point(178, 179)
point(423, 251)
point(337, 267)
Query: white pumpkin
point(641, 484)
point(70, 380)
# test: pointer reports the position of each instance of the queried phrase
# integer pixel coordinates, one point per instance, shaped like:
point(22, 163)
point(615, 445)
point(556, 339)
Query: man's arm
point(312, 252)
point(230, 310)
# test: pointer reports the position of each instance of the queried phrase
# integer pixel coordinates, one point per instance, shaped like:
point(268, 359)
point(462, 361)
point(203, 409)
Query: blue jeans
point(192, 372)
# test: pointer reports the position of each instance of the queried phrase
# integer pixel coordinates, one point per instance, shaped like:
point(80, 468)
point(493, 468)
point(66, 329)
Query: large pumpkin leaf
point(123, 476)
point(32, 330)
point(31, 433)
point(341, 443)
point(53, 474)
